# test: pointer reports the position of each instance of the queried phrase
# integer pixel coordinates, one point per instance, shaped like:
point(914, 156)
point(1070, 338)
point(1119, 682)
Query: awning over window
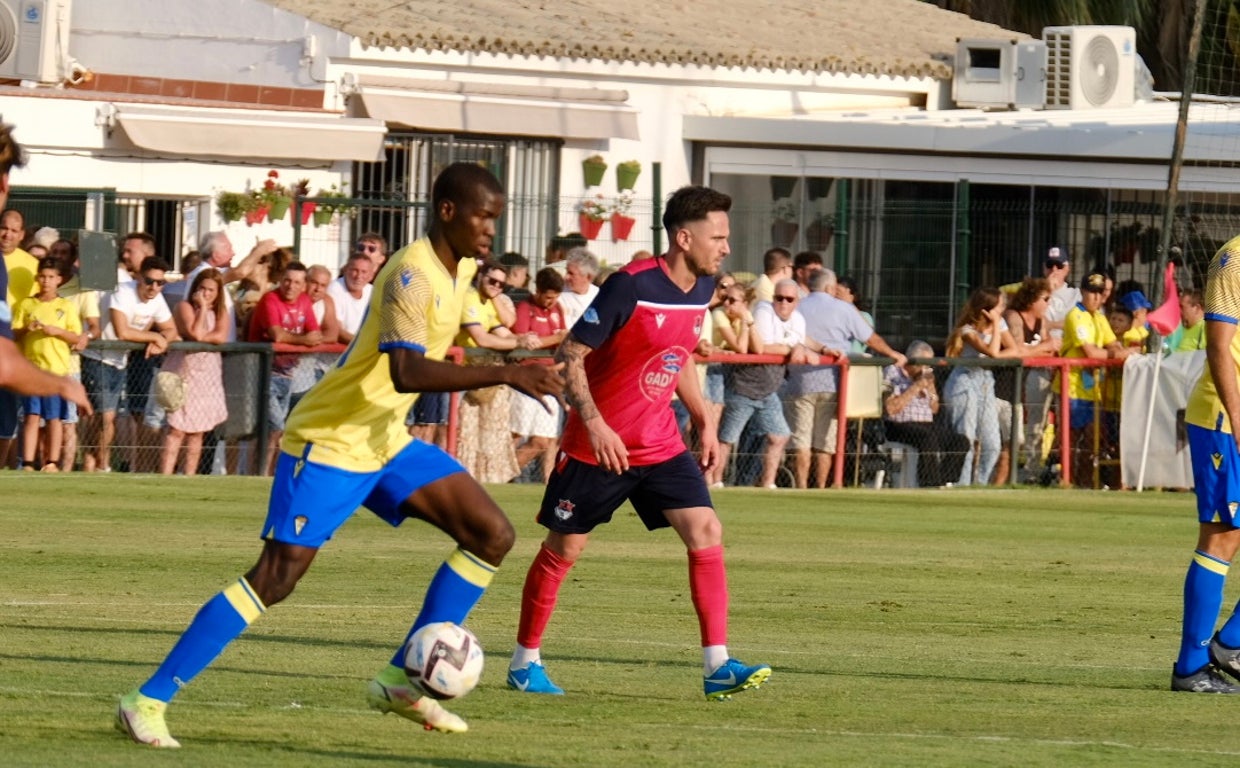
point(192, 131)
point(506, 110)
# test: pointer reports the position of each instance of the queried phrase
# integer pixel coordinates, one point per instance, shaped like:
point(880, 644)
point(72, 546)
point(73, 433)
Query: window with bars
point(400, 186)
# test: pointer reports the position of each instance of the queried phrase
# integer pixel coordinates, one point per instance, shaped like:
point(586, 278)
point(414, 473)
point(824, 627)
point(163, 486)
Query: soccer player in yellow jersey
point(345, 445)
point(1213, 423)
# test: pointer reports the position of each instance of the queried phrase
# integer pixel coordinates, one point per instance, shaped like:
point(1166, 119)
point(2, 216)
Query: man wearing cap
point(1138, 335)
point(1063, 296)
point(1087, 334)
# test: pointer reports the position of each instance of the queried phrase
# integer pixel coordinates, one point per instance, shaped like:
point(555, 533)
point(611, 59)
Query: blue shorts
point(1217, 485)
point(46, 406)
point(1081, 413)
point(310, 501)
point(431, 408)
point(767, 413)
point(104, 383)
point(139, 378)
point(581, 496)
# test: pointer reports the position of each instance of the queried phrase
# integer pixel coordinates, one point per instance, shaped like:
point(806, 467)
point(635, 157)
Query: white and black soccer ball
point(444, 660)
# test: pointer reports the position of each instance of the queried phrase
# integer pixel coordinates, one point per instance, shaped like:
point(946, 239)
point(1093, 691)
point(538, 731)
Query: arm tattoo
point(576, 387)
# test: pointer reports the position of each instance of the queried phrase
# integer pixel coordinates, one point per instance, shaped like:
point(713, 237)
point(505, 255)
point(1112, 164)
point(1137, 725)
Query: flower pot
point(307, 212)
point(818, 235)
point(621, 227)
point(784, 233)
point(589, 227)
point(782, 186)
point(256, 216)
point(626, 177)
point(593, 172)
point(323, 216)
point(279, 208)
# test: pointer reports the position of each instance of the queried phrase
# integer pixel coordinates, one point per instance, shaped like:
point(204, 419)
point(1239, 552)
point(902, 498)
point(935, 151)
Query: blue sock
point(1203, 597)
point(218, 622)
point(1229, 635)
point(453, 593)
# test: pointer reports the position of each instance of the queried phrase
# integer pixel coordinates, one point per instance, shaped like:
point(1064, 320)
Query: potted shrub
point(785, 213)
point(819, 233)
point(257, 209)
point(621, 222)
point(326, 210)
point(592, 211)
point(593, 168)
point(626, 175)
point(232, 206)
point(275, 196)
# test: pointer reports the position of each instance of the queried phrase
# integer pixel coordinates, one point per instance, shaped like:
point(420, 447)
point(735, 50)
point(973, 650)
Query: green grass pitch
point(919, 628)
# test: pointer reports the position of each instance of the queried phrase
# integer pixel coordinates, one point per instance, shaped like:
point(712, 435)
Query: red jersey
point(274, 312)
point(642, 328)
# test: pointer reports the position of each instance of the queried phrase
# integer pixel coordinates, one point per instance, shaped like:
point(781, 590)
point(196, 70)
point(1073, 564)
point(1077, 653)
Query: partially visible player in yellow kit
point(1213, 423)
point(345, 445)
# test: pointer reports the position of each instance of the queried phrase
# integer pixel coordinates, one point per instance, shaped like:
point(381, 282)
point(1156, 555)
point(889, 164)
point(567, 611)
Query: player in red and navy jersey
point(623, 360)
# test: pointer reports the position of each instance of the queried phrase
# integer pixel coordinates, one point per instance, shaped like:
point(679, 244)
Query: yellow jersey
point(47, 352)
point(1222, 302)
point(1082, 327)
point(22, 267)
point(354, 419)
point(476, 312)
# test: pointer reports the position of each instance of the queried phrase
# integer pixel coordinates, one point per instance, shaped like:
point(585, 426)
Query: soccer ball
point(444, 660)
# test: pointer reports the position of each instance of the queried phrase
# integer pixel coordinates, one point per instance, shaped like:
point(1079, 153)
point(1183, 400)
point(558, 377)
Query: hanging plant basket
point(323, 216)
point(279, 208)
point(782, 186)
point(593, 169)
point(621, 227)
point(307, 212)
point(590, 228)
point(256, 216)
point(626, 175)
point(818, 235)
point(784, 233)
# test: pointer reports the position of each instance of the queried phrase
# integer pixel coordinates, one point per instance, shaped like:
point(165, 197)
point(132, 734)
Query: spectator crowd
point(175, 409)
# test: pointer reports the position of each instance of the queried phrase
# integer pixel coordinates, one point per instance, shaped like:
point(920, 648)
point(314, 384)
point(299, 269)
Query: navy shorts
point(431, 408)
point(8, 414)
point(581, 496)
point(139, 375)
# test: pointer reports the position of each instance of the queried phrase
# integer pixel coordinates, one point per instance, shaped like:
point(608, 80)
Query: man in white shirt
point(1063, 296)
point(351, 295)
point(135, 311)
point(579, 287)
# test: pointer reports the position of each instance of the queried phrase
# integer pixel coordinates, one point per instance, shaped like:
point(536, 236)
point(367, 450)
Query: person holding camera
point(911, 409)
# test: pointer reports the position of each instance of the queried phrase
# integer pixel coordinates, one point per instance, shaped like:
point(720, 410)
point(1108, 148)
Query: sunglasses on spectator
point(788, 299)
point(367, 248)
point(494, 282)
point(154, 281)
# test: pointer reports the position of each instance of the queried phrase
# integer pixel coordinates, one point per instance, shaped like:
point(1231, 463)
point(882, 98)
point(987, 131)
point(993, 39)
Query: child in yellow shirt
point(47, 326)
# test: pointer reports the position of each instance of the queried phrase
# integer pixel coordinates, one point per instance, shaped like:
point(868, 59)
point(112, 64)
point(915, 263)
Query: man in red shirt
point(283, 316)
point(623, 359)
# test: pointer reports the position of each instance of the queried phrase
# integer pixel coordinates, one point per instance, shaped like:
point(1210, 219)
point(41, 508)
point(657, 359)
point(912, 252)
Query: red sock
point(708, 584)
point(542, 587)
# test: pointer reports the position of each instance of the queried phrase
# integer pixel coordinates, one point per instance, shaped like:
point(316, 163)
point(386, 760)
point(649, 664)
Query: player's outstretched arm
point(412, 371)
point(609, 450)
point(19, 375)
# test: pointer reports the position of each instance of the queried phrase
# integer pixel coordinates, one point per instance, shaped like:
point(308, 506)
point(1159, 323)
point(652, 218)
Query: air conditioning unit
point(1005, 74)
point(1090, 67)
point(34, 40)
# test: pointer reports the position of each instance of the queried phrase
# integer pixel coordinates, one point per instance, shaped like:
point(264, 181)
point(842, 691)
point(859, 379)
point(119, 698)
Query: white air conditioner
point(999, 74)
point(34, 40)
point(1090, 67)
